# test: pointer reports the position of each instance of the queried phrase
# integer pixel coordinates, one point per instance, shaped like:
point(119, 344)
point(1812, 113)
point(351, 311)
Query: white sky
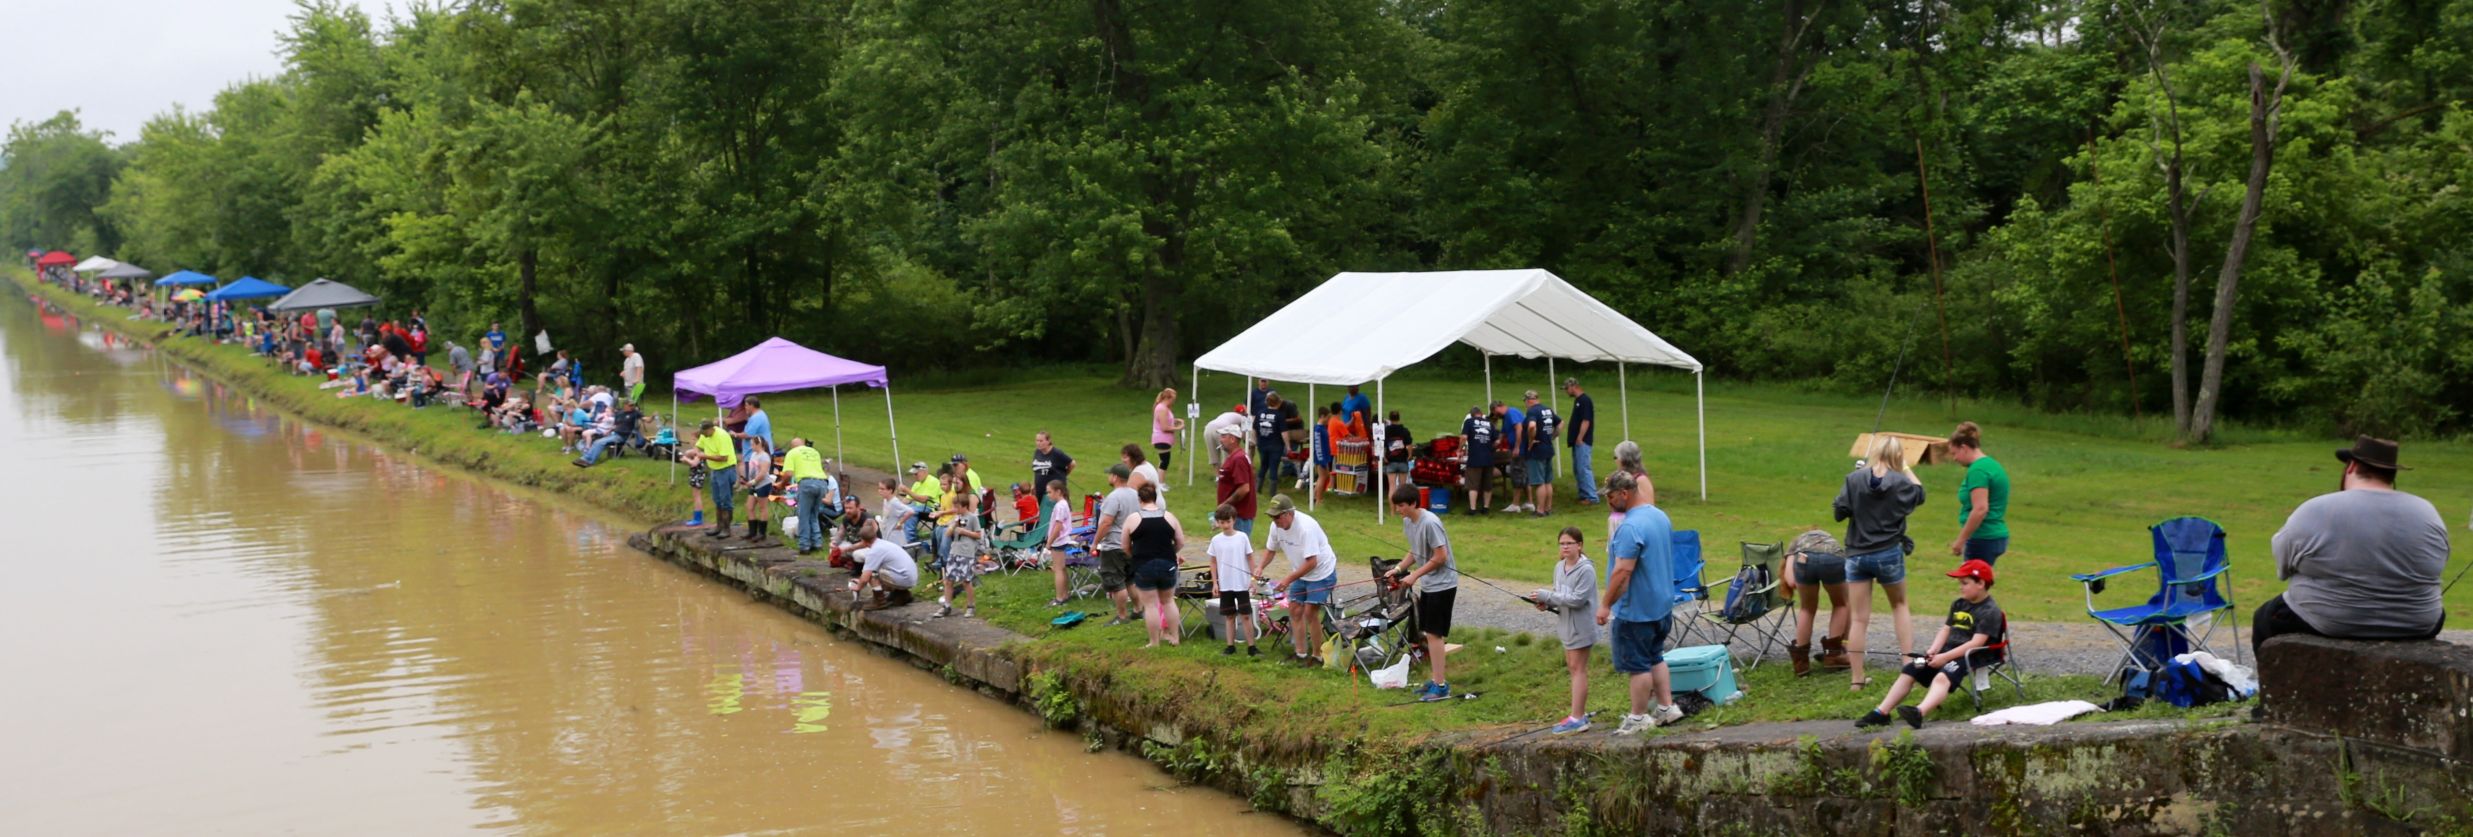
point(121, 62)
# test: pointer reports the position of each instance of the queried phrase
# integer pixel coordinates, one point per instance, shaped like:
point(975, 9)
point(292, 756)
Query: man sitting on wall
point(2361, 563)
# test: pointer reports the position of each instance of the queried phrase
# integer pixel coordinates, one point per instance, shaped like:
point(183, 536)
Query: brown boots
point(1801, 655)
point(1833, 652)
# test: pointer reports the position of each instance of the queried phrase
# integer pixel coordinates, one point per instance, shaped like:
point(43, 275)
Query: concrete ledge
point(2414, 694)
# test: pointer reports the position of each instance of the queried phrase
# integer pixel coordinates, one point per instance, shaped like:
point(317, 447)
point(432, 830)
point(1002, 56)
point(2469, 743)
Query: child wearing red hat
point(1975, 622)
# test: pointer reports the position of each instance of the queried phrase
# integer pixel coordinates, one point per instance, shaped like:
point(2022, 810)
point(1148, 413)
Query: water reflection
point(245, 622)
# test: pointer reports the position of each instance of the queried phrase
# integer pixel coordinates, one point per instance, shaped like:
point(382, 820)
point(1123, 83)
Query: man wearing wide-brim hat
point(2361, 563)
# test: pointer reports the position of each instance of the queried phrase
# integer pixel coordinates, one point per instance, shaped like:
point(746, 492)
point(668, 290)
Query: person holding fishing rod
point(1430, 567)
point(1875, 501)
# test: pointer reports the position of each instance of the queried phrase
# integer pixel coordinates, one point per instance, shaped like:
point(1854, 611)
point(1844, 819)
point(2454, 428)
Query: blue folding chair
point(2191, 567)
point(1689, 591)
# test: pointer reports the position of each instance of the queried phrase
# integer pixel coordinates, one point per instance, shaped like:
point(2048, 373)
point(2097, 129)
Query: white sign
point(1193, 409)
point(541, 343)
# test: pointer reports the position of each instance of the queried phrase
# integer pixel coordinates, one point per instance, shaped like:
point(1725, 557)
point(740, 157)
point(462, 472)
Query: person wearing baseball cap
point(1975, 624)
point(2361, 563)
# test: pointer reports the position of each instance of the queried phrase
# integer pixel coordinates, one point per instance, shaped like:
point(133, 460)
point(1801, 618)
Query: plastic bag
point(1395, 677)
point(790, 526)
point(1335, 654)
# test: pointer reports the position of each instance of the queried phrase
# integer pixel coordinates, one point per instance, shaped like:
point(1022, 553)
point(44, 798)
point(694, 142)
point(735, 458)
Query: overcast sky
point(121, 62)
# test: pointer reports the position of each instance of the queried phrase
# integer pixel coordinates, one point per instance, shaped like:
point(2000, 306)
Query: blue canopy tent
point(186, 277)
point(246, 287)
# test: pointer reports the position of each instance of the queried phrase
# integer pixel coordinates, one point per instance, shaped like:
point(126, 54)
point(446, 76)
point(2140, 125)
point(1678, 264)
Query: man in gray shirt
point(1430, 567)
point(1115, 564)
point(2362, 563)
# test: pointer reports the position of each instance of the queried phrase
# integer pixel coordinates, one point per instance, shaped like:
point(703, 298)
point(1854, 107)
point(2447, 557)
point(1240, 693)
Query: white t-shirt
point(1150, 473)
point(1210, 432)
point(889, 561)
point(1230, 561)
point(632, 371)
point(1304, 539)
point(1060, 524)
point(892, 523)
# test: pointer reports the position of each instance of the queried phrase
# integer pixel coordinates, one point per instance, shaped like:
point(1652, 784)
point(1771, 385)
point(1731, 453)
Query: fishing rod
point(1904, 344)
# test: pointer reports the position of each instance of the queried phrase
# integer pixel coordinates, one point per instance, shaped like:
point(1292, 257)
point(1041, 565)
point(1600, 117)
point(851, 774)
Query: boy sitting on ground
point(1975, 622)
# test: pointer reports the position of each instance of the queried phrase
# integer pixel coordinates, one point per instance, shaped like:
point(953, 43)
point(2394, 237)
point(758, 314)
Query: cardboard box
point(1920, 450)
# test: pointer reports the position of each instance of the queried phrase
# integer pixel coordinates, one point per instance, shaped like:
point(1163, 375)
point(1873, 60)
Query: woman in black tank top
point(1152, 539)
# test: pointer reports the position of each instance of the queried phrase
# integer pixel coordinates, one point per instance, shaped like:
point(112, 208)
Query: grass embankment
point(2086, 488)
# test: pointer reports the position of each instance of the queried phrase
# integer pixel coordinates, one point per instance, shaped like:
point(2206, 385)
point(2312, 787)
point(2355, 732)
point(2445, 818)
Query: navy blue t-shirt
point(1541, 426)
point(1582, 410)
point(1479, 434)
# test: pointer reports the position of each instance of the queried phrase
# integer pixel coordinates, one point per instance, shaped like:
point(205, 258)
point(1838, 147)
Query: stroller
point(1379, 627)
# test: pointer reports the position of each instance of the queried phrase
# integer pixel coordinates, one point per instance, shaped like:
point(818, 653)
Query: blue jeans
point(1246, 525)
point(721, 482)
point(1887, 566)
point(1989, 550)
point(811, 513)
point(1267, 470)
point(1583, 471)
point(592, 452)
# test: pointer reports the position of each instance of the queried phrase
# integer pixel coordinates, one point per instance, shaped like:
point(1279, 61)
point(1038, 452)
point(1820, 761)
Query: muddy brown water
point(216, 618)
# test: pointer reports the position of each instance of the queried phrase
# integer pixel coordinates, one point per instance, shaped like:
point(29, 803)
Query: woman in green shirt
point(1983, 498)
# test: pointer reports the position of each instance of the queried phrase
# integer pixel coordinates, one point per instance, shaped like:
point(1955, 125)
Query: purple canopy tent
point(778, 365)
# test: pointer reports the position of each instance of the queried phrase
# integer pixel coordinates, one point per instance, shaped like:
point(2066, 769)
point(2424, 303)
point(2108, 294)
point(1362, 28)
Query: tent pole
point(1193, 395)
point(1489, 356)
point(837, 426)
point(1312, 497)
point(1623, 386)
point(674, 434)
point(891, 428)
point(1555, 403)
point(1382, 461)
point(1700, 394)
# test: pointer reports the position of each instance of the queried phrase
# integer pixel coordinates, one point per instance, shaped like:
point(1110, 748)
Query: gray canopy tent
point(323, 293)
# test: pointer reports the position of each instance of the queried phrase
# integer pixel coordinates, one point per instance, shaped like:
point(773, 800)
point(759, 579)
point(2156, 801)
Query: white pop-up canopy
point(1360, 327)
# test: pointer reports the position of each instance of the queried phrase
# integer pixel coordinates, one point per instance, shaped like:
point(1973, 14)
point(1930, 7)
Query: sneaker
point(1634, 725)
point(970, 613)
point(1115, 622)
point(941, 612)
point(1874, 718)
point(1227, 650)
point(1252, 651)
point(1665, 715)
point(1054, 603)
point(1570, 725)
point(1911, 715)
point(1435, 692)
point(1511, 508)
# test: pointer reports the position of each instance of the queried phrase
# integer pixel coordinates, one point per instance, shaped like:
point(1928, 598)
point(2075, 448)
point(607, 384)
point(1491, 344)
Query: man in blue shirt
point(1639, 600)
point(1357, 408)
point(497, 340)
point(759, 426)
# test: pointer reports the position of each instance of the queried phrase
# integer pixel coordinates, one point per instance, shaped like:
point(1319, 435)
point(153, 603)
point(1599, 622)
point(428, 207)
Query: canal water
point(215, 618)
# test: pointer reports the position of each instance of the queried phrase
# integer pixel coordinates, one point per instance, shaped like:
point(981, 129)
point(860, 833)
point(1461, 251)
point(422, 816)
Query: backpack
point(1744, 601)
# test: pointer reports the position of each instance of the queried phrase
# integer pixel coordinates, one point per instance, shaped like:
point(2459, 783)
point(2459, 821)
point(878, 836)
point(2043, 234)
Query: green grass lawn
point(2085, 488)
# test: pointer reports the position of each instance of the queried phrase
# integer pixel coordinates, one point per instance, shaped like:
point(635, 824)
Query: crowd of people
point(2363, 562)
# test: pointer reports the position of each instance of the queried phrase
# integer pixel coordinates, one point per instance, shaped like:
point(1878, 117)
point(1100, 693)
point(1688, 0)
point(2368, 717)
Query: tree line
point(2190, 208)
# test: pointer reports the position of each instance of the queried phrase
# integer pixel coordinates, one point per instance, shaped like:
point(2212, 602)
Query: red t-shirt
point(1234, 472)
point(1026, 508)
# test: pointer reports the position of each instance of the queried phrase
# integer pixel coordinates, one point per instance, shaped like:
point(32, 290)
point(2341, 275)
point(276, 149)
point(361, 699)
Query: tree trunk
point(2180, 215)
point(2227, 280)
point(1154, 358)
point(1784, 84)
point(527, 270)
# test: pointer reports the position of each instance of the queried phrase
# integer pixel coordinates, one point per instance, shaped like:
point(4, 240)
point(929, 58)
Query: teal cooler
point(1705, 669)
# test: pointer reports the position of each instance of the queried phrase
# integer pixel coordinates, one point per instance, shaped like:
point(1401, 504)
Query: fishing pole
point(1908, 342)
point(1583, 716)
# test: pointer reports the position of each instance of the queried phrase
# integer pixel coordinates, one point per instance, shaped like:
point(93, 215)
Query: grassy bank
point(1260, 704)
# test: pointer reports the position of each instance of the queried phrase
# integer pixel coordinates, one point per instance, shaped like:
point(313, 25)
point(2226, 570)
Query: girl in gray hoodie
point(1574, 599)
point(1875, 501)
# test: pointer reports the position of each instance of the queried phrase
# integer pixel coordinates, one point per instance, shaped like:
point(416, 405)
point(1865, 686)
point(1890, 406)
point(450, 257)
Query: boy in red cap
point(1974, 623)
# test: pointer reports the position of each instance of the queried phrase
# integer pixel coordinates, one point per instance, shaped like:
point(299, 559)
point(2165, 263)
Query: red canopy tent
point(54, 258)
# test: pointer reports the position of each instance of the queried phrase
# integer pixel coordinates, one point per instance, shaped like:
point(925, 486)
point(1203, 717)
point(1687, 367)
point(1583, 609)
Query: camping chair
point(2190, 566)
point(1990, 661)
point(1755, 609)
point(1689, 590)
point(1025, 548)
point(1379, 626)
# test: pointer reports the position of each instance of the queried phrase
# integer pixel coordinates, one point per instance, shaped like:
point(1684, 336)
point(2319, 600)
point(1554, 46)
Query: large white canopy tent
point(1360, 327)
